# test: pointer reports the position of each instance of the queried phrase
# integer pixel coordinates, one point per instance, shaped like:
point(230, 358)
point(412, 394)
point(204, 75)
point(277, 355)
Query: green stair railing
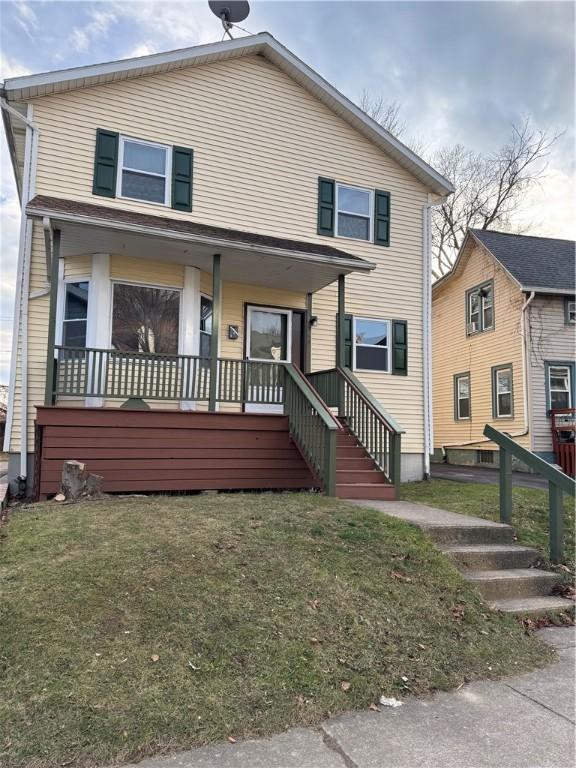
point(374, 428)
point(558, 483)
point(312, 426)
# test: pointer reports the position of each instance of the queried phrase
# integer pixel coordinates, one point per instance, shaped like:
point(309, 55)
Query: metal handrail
point(558, 483)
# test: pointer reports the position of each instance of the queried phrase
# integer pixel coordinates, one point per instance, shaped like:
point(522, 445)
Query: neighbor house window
point(559, 386)
point(354, 212)
point(480, 308)
point(144, 171)
point(570, 311)
point(145, 319)
point(462, 396)
point(75, 315)
point(502, 398)
point(205, 325)
point(371, 350)
point(268, 334)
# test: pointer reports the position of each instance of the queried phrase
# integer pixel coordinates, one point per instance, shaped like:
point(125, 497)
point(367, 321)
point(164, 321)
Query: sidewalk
point(520, 722)
point(484, 475)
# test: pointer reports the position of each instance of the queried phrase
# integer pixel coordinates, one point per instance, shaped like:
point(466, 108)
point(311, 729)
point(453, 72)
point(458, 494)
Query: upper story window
point(570, 311)
point(371, 350)
point(144, 171)
point(354, 208)
point(480, 308)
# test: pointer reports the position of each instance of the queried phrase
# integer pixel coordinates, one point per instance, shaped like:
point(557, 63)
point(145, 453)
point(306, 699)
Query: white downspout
point(427, 329)
point(22, 288)
point(526, 363)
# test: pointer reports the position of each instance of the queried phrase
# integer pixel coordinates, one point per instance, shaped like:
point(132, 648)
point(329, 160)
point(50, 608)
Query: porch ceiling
point(246, 257)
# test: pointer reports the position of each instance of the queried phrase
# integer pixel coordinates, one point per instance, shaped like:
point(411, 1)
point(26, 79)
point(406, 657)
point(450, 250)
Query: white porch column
point(190, 321)
point(98, 327)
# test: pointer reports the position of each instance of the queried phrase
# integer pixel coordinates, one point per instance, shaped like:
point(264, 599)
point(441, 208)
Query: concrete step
point(512, 583)
point(469, 534)
point(383, 491)
point(359, 476)
point(534, 606)
point(480, 557)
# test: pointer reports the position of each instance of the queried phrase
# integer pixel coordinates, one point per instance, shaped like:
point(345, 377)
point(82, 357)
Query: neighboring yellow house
point(503, 344)
point(196, 225)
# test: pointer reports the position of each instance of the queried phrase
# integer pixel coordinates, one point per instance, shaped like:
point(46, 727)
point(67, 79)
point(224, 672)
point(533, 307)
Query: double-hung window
point(462, 408)
point(371, 349)
point(144, 171)
point(480, 308)
point(502, 395)
point(75, 320)
point(205, 326)
point(560, 385)
point(570, 311)
point(354, 207)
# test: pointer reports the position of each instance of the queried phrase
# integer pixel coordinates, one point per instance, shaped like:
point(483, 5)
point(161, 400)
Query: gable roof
point(540, 264)
point(18, 89)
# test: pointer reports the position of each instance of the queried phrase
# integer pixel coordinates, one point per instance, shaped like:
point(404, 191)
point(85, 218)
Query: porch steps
point(357, 475)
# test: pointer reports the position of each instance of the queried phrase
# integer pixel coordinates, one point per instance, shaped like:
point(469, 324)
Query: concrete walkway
point(484, 475)
point(520, 722)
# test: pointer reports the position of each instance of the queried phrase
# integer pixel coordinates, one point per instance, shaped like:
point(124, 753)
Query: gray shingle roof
point(535, 262)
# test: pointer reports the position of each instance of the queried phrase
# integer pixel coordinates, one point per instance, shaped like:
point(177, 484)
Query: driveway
point(484, 475)
point(519, 722)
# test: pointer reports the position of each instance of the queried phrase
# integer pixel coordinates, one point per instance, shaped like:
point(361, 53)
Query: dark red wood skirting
point(138, 451)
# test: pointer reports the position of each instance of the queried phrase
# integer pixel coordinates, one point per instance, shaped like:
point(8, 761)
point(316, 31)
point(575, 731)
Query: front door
point(273, 334)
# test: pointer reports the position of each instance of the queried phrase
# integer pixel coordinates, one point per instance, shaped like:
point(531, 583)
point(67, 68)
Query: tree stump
point(78, 483)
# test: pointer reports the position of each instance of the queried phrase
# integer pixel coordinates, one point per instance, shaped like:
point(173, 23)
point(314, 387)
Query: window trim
point(388, 347)
point(468, 294)
point(571, 366)
point(167, 176)
point(140, 284)
point(370, 216)
point(456, 379)
point(567, 301)
point(496, 369)
point(61, 304)
point(279, 311)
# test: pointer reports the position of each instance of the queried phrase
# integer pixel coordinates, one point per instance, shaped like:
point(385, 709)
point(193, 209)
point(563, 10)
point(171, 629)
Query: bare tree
point(387, 114)
point(489, 188)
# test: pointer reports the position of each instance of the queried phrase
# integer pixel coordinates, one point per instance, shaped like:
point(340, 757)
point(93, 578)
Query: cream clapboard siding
point(260, 142)
point(453, 352)
point(551, 340)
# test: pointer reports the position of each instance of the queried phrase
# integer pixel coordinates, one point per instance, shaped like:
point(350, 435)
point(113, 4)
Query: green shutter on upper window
point(182, 171)
point(347, 338)
point(399, 347)
point(381, 217)
point(105, 163)
point(326, 206)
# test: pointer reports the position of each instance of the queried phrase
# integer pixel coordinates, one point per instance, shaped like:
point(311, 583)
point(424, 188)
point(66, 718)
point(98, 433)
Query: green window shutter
point(347, 339)
point(182, 170)
point(399, 347)
point(381, 218)
point(326, 206)
point(105, 163)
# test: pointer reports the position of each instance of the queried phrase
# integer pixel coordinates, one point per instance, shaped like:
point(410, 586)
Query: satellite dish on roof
point(229, 12)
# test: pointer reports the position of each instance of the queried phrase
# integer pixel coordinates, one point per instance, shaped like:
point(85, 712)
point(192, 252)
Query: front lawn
point(142, 625)
point(529, 512)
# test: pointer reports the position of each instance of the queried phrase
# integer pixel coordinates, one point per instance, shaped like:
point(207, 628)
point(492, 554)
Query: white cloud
point(26, 17)
point(142, 49)
point(100, 22)
point(549, 208)
point(11, 68)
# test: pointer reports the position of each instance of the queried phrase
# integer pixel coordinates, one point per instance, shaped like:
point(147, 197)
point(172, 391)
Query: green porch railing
point(373, 427)
point(558, 483)
point(312, 426)
point(113, 374)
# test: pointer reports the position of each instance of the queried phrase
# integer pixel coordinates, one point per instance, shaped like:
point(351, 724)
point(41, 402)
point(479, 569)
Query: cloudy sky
point(463, 72)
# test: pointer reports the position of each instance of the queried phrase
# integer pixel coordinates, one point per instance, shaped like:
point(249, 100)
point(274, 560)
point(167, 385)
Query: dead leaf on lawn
point(374, 708)
point(314, 604)
point(315, 641)
point(155, 657)
point(458, 611)
point(401, 576)
point(231, 739)
point(345, 685)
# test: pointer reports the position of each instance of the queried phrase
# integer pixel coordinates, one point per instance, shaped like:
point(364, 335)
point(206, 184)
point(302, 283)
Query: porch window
point(560, 386)
point(462, 396)
point(268, 334)
point(502, 398)
point(75, 315)
point(354, 212)
point(145, 319)
point(144, 171)
point(371, 344)
point(205, 325)
point(480, 308)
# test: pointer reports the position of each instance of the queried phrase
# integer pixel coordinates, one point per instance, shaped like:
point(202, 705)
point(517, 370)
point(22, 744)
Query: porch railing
point(312, 426)
point(374, 428)
point(558, 483)
point(113, 374)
